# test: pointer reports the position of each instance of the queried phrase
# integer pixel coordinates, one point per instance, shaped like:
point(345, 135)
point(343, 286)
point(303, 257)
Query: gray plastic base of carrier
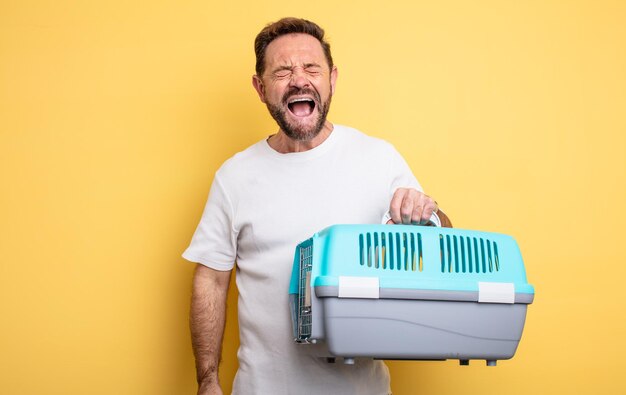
point(422, 330)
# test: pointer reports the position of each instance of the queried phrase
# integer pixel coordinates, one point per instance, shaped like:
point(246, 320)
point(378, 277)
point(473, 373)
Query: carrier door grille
point(391, 250)
point(468, 254)
point(304, 292)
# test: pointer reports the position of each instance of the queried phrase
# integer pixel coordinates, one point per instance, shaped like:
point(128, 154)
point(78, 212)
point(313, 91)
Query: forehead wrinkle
point(293, 60)
point(295, 49)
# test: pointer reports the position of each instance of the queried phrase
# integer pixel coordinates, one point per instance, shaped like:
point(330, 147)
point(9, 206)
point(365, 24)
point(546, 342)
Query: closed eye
point(282, 74)
point(313, 70)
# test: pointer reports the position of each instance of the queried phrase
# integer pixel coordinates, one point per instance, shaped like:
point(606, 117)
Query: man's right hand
point(212, 388)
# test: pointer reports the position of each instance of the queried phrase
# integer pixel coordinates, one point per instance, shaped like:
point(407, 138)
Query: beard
point(299, 131)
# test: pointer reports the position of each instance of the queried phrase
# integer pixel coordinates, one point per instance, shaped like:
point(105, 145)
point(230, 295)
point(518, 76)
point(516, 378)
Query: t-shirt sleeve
point(400, 176)
point(214, 243)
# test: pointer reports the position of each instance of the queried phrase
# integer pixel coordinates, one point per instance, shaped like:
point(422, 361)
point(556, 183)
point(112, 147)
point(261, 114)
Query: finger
point(428, 212)
point(396, 203)
point(408, 205)
point(430, 207)
point(421, 213)
point(416, 216)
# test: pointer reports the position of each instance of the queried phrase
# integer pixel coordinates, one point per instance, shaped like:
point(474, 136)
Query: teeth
point(299, 100)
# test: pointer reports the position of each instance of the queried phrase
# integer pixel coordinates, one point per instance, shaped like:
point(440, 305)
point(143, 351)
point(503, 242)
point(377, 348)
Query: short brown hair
point(283, 27)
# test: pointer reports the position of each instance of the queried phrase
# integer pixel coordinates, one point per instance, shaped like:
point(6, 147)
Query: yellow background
point(114, 116)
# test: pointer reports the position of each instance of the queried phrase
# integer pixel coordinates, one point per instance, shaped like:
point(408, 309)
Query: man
point(266, 199)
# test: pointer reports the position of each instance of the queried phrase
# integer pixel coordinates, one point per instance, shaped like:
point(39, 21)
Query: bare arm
point(206, 320)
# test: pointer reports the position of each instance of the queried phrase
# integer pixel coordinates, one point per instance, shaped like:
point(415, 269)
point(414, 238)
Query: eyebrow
point(281, 68)
point(289, 68)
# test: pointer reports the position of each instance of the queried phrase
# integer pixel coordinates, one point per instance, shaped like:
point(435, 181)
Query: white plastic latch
point(359, 287)
point(496, 292)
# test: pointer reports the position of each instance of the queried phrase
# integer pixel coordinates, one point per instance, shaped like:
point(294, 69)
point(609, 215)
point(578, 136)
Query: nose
point(298, 78)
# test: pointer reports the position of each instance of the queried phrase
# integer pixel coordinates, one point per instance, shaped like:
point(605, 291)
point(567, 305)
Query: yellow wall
point(114, 116)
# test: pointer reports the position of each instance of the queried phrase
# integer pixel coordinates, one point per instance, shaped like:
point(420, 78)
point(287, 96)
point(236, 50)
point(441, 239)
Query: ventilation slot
point(468, 255)
point(391, 251)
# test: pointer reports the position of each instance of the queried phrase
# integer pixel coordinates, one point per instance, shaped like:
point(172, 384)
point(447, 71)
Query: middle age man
point(266, 199)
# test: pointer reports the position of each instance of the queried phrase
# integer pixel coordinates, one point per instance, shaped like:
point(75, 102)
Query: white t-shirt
point(261, 205)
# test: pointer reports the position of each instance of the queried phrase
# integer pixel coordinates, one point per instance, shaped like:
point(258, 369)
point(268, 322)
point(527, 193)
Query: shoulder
point(356, 139)
point(243, 161)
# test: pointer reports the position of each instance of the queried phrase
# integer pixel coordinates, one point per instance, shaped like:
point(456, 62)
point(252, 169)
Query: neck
point(280, 142)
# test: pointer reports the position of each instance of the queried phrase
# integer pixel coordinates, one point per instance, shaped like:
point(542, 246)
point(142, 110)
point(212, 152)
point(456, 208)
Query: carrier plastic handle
point(434, 220)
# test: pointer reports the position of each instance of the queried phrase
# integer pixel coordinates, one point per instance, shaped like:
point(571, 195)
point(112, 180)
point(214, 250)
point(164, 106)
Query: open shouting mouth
point(301, 106)
point(302, 102)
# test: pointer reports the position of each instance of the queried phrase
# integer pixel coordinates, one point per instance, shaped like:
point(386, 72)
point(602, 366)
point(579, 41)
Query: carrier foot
point(464, 362)
point(348, 361)
point(491, 362)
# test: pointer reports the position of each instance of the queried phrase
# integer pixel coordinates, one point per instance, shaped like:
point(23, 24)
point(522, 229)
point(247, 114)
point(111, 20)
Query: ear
point(259, 87)
point(333, 79)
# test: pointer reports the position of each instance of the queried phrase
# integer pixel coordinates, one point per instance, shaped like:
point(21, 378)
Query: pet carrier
point(409, 292)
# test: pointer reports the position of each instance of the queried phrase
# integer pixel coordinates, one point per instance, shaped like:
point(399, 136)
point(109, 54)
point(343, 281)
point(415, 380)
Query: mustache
point(293, 91)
